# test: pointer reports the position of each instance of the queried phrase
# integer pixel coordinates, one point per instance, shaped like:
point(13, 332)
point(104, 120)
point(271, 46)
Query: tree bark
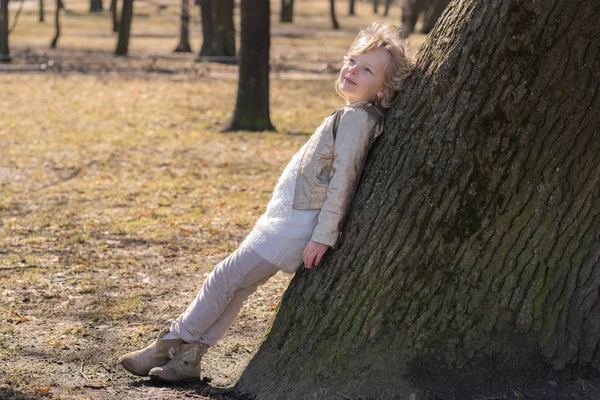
point(124, 29)
point(218, 31)
point(41, 15)
point(114, 12)
point(334, 22)
point(470, 259)
point(184, 34)
point(351, 11)
point(96, 6)
point(4, 48)
point(287, 11)
point(432, 13)
point(56, 24)
point(252, 104)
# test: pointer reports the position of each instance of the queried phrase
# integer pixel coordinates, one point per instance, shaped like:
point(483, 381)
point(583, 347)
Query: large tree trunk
point(124, 28)
point(287, 11)
point(96, 6)
point(470, 260)
point(41, 14)
point(4, 48)
point(184, 33)
point(218, 31)
point(252, 104)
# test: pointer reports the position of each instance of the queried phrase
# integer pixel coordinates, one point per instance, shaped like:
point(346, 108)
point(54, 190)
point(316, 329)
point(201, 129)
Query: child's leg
point(221, 297)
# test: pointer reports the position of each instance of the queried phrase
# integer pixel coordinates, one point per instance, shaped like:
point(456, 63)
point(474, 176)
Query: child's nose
point(353, 69)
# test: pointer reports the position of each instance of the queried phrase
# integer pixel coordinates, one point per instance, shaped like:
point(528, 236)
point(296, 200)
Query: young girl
point(303, 217)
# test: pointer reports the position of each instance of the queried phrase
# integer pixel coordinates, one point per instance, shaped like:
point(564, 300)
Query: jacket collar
point(370, 107)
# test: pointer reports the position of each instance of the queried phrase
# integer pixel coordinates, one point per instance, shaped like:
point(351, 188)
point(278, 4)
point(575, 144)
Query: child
point(303, 217)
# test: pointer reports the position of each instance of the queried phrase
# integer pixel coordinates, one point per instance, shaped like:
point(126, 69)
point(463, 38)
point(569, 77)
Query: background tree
point(409, 14)
point(351, 7)
point(334, 22)
point(56, 24)
point(470, 260)
point(114, 12)
point(184, 32)
point(432, 13)
point(4, 48)
point(375, 6)
point(124, 28)
point(41, 14)
point(287, 11)
point(96, 6)
point(388, 3)
point(218, 30)
point(412, 9)
point(252, 103)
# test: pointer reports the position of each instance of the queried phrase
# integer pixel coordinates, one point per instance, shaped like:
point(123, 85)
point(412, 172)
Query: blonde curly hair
point(381, 35)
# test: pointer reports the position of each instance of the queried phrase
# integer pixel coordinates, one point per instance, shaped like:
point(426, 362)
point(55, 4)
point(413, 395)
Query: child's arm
point(354, 134)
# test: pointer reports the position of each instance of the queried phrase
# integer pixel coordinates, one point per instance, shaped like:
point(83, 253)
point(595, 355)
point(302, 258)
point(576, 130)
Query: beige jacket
point(330, 168)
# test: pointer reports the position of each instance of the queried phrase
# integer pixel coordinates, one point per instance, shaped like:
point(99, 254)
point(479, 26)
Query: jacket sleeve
point(351, 145)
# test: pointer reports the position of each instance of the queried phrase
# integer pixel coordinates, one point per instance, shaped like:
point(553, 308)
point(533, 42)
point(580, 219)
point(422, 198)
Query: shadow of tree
point(202, 388)
point(11, 394)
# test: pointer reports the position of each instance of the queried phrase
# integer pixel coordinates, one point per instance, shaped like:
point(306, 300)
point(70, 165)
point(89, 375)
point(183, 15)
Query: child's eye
point(368, 70)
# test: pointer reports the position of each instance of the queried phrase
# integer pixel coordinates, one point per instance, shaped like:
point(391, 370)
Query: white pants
point(221, 297)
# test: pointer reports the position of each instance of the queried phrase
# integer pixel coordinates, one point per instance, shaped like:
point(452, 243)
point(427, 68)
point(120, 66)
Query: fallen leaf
point(137, 286)
point(42, 389)
point(21, 320)
point(211, 250)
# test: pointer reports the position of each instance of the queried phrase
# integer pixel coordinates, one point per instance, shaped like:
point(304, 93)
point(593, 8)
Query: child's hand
point(313, 253)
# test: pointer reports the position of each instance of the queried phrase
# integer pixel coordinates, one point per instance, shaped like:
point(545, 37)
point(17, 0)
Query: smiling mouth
point(346, 80)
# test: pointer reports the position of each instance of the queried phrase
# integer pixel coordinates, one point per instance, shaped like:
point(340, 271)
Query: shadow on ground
point(202, 388)
point(10, 394)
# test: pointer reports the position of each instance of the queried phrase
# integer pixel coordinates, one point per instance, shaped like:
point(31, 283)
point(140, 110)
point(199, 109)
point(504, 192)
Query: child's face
point(361, 77)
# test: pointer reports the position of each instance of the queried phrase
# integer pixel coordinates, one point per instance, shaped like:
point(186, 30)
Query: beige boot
point(140, 362)
point(184, 364)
